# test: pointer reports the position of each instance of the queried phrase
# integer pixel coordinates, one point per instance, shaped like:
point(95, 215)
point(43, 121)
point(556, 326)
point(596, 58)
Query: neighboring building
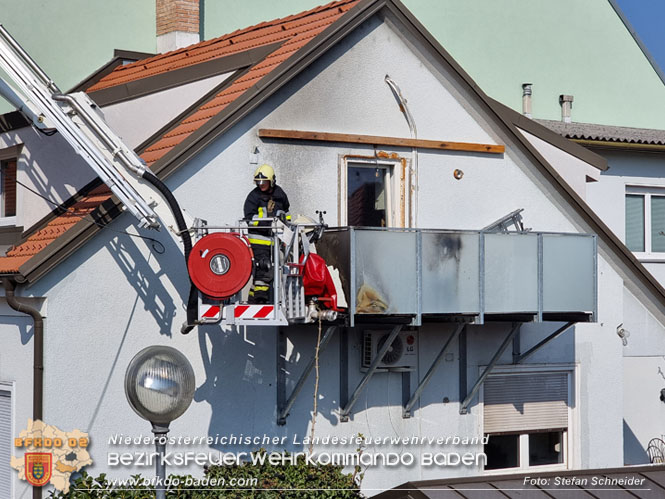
point(629, 198)
point(321, 75)
point(636, 158)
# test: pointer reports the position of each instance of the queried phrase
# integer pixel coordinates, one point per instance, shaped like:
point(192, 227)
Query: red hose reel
point(220, 264)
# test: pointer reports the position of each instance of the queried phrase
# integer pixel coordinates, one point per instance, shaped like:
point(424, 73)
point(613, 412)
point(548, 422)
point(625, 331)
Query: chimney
point(526, 99)
point(177, 24)
point(566, 102)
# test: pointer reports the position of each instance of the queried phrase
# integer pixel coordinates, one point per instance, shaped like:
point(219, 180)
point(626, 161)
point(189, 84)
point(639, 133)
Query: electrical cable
point(48, 132)
point(390, 417)
point(192, 300)
point(156, 245)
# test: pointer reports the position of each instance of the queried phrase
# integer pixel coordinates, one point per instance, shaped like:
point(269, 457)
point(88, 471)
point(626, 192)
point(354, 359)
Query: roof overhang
point(189, 74)
point(120, 57)
point(537, 129)
point(608, 136)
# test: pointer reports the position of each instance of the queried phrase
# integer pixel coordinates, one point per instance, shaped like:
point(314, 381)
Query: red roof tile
point(300, 32)
point(295, 31)
point(238, 41)
point(18, 255)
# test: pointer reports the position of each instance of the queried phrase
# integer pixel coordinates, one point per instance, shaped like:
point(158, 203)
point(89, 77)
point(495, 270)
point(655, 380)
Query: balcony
point(477, 276)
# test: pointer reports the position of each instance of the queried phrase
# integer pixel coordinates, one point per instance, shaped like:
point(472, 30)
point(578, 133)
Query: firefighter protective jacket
point(259, 203)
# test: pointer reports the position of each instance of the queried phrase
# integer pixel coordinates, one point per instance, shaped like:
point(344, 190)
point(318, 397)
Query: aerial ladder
point(220, 263)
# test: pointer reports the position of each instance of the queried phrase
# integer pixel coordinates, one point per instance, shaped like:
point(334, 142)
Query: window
point(525, 417)
point(645, 220)
point(5, 441)
point(8, 188)
point(368, 196)
point(8, 180)
point(372, 192)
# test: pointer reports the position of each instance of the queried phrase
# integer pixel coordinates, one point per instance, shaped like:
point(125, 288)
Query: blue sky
point(648, 19)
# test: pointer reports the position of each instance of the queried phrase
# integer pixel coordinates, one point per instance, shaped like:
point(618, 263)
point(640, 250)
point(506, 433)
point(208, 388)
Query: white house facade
point(108, 292)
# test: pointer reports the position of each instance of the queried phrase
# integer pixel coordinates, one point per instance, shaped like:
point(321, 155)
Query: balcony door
point(372, 193)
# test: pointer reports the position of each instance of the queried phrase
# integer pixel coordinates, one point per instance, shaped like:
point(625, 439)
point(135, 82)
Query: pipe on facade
point(38, 357)
point(413, 205)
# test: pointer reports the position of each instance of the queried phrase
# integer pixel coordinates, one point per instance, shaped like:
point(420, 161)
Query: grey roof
point(535, 128)
point(620, 483)
point(619, 134)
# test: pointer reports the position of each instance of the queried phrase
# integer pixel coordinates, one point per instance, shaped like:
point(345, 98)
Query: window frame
point(397, 195)
point(9, 386)
point(8, 154)
point(570, 435)
point(3, 164)
point(646, 192)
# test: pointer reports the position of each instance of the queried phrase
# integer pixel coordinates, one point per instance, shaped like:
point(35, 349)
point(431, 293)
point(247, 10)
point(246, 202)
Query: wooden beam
point(271, 133)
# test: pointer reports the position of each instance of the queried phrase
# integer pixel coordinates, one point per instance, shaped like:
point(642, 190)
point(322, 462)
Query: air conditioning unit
point(401, 356)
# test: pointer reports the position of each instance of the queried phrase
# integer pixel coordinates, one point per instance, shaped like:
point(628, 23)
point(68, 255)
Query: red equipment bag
point(318, 282)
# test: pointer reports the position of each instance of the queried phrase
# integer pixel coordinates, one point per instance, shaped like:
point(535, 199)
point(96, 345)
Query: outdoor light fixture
point(623, 334)
point(159, 385)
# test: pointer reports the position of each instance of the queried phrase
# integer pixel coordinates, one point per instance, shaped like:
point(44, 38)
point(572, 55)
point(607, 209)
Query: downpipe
point(38, 357)
point(413, 180)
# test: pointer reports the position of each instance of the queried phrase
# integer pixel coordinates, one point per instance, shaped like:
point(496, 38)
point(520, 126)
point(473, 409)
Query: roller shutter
point(519, 403)
point(5, 444)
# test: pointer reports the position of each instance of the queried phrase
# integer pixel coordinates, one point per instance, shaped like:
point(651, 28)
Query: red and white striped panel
point(253, 311)
point(210, 312)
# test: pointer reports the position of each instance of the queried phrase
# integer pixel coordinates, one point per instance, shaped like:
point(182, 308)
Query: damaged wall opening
point(372, 192)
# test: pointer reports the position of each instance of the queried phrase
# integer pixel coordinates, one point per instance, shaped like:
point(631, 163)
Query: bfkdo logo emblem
point(38, 466)
point(50, 455)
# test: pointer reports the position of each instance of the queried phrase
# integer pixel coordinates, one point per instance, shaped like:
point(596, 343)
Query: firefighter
point(265, 201)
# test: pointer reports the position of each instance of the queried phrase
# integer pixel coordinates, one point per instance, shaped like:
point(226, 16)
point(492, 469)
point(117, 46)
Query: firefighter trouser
point(261, 291)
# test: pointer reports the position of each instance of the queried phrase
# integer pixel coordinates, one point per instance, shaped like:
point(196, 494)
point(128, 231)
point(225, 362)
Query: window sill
point(7, 221)
point(650, 257)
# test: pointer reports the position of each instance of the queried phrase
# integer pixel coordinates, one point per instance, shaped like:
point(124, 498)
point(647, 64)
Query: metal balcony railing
point(487, 275)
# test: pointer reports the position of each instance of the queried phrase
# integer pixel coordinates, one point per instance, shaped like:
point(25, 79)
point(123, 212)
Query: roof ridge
point(282, 20)
point(233, 34)
point(253, 37)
